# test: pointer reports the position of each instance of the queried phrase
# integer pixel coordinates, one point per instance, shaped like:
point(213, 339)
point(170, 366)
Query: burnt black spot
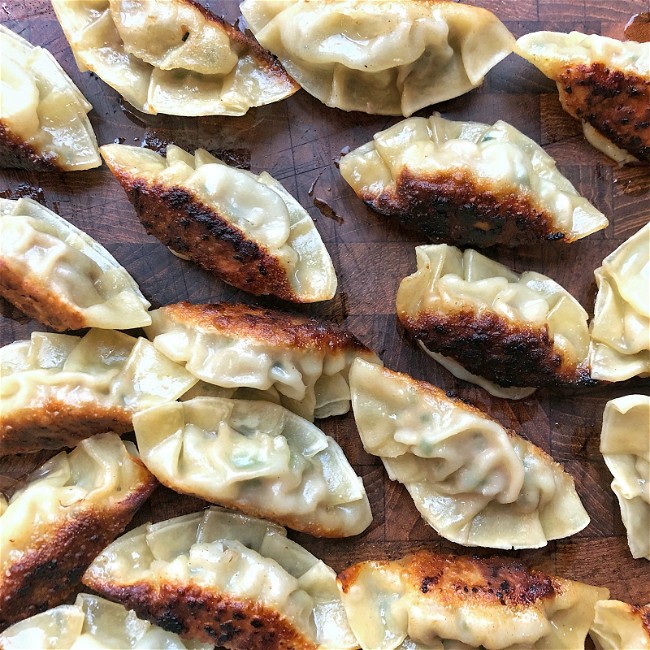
point(428, 582)
point(170, 622)
point(257, 623)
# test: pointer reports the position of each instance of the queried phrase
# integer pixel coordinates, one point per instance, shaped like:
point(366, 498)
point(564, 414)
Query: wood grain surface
point(298, 141)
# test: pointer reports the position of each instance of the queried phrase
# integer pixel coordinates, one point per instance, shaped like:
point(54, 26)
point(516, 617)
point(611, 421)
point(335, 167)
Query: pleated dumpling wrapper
point(602, 82)
point(492, 326)
point(58, 389)
point(174, 57)
point(61, 517)
point(256, 457)
point(91, 623)
point(474, 481)
point(227, 579)
point(246, 229)
point(620, 626)
point(56, 273)
point(301, 361)
point(620, 330)
point(430, 601)
point(625, 445)
point(468, 183)
point(381, 57)
point(43, 115)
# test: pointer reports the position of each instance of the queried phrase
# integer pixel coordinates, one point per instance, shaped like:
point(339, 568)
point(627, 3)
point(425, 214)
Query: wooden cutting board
point(298, 142)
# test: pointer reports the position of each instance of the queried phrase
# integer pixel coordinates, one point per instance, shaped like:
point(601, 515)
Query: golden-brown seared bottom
point(55, 424)
point(16, 154)
point(50, 570)
point(35, 301)
point(452, 207)
point(615, 104)
point(491, 347)
point(196, 612)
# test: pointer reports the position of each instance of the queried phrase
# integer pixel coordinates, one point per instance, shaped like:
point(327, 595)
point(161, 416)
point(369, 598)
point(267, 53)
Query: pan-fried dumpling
point(246, 229)
point(381, 57)
point(468, 183)
point(620, 330)
point(430, 601)
point(227, 579)
point(58, 389)
point(256, 457)
point(172, 57)
point(475, 482)
point(513, 330)
point(43, 115)
point(603, 82)
point(619, 626)
point(64, 514)
point(625, 445)
point(92, 622)
point(303, 360)
point(56, 273)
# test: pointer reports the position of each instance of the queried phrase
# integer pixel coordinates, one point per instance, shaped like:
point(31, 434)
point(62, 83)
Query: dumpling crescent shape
point(618, 626)
point(245, 228)
point(43, 115)
point(173, 57)
point(61, 517)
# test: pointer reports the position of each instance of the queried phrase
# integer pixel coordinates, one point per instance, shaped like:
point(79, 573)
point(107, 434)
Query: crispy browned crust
point(196, 612)
point(615, 104)
point(455, 208)
point(275, 328)
point(37, 301)
point(458, 580)
point(490, 346)
point(50, 568)
point(644, 615)
point(54, 424)
point(17, 154)
point(188, 226)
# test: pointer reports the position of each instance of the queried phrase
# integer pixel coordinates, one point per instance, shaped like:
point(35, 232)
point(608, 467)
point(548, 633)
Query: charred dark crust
point(50, 568)
point(457, 580)
point(18, 154)
point(644, 614)
point(54, 424)
point(454, 208)
point(490, 346)
point(275, 328)
point(615, 104)
point(37, 301)
point(190, 227)
point(195, 612)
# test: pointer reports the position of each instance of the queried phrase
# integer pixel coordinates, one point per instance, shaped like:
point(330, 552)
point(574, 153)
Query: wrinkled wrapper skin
point(514, 330)
point(43, 115)
point(467, 183)
point(63, 515)
point(173, 57)
point(226, 579)
point(603, 82)
point(383, 58)
point(619, 626)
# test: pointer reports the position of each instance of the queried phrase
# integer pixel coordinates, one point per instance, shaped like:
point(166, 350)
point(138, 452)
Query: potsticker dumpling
point(475, 482)
point(511, 329)
point(468, 183)
point(256, 457)
point(61, 517)
point(625, 445)
point(234, 346)
point(382, 57)
point(430, 601)
point(602, 82)
point(92, 622)
point(620, 330)
point(173, 57)
point(57, 389)
point(56, 273)
point(246, 229)
point(619, 626)
point(226, 579)
point(43, 115)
